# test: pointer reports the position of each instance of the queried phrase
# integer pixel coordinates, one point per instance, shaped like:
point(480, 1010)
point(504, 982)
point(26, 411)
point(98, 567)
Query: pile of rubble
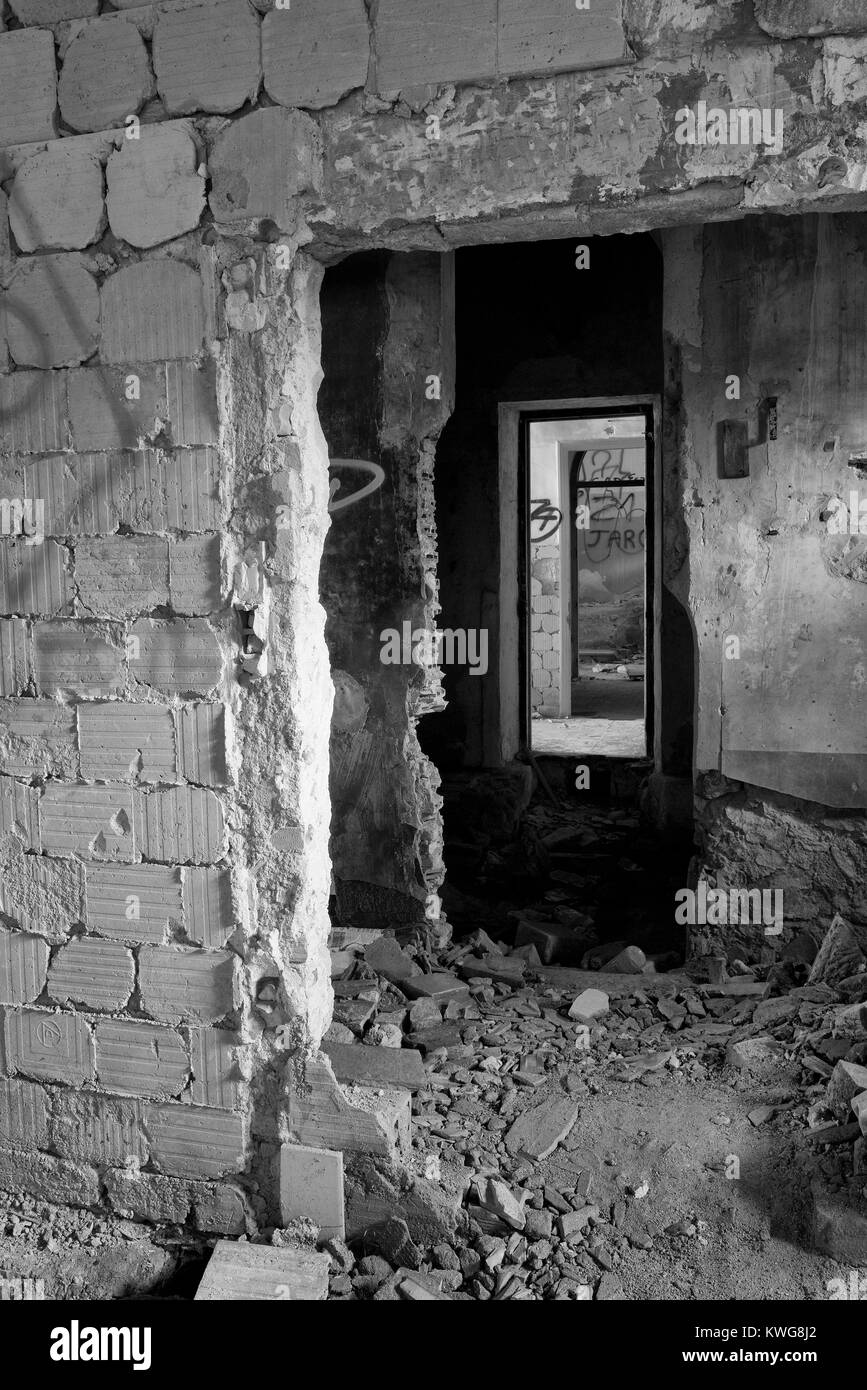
point(505, 1051)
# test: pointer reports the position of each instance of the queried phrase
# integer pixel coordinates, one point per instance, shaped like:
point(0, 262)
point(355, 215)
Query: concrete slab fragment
point(248, 1272)
point(311, 1188)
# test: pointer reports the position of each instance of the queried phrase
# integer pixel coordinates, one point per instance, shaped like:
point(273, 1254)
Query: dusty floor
point(669, 1173)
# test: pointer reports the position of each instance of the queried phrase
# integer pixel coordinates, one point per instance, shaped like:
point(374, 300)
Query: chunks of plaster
point(152, 311)
point(155, 191)
point(28, 87)
point(316, 51)
point(56, 199)
point(260, 163)
point(207, 57)
point(106, 76)
point(52, 312)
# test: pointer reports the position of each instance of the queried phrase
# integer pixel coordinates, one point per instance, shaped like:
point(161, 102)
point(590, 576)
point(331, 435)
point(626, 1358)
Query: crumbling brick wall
point(163, 816)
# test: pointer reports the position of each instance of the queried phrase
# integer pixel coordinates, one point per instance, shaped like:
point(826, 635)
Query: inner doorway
point(587, 583)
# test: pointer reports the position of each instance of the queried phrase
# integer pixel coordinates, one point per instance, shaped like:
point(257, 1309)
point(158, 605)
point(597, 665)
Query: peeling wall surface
point(388, 360)
point(778, 601)
point(172, 178)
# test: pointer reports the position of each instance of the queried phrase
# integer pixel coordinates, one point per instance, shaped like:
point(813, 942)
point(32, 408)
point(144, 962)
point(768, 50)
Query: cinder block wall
point(164, 686)
point(163, 672)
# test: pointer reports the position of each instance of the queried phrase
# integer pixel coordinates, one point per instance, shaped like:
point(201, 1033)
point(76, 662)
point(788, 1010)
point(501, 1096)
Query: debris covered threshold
point(623, 1132)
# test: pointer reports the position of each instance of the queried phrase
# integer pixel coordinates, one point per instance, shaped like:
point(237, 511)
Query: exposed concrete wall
point(779, 604)
point(388, 332)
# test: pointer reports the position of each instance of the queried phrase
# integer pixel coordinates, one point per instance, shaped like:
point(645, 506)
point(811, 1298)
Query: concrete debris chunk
point(589, 1005)
point(538, 1132)
point(839, 954)
point(760, 1055)
point(497, 1197)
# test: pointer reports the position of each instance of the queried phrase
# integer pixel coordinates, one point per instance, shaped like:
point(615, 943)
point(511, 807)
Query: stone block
point(180, 825)
point(34, 579)
point(56, 1046)
point(195, 575)
point(148, 1196)
point(40, 894)
point(311, 1188)
point(93, 822)
point(179, 658)
point(209, 916)
point(23, 963)
point(51, 1179)
point(116, 407)
point(52, 312)
point(14, 656)
point(549, 36)
point(122, 576)
point(155, 190)
point(261, 163)
point(219, 1207)
point(140, 1059)
point(207, 57)
point(216, 1073)
point(139, 904)
point(23, 1115)
point(201, 742)
point(123, 742)
point(28, 87)
point(19, 812)
point(56, 199)
point(33, 408)
point(417, 44)
point(74, 657)
point(189, 1142)
point(106, 76)
point(37, 738)
point(152, 311)
point(239, 1271)
point(192, 403)
point(178, 985)
point(315, 52)
point(97, 1129)
point(96, 974)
